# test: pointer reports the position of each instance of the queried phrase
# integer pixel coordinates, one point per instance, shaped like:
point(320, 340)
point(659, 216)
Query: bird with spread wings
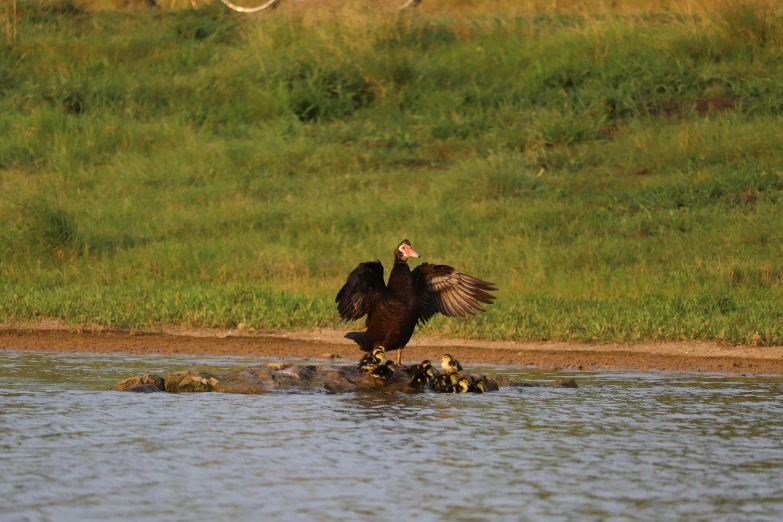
point(411, 297)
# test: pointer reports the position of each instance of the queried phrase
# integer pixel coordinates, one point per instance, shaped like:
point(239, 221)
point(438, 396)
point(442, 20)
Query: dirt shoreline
point(319, 343)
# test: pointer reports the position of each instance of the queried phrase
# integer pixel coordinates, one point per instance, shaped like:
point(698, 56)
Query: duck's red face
point(405, 250)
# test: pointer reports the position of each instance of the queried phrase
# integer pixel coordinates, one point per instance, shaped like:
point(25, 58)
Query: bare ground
point(319, 343)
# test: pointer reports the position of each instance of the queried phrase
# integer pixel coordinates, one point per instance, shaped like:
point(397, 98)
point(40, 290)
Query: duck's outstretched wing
point(362, 290)
point(442, 289)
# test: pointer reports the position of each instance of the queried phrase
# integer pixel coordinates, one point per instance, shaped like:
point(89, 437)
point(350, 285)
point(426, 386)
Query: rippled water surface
point(624, 446)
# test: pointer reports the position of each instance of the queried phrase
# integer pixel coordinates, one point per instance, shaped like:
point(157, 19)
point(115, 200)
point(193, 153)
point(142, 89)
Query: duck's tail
point(357, 337)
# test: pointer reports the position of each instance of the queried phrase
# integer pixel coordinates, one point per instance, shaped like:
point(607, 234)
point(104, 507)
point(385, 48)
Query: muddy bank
point(683, 357)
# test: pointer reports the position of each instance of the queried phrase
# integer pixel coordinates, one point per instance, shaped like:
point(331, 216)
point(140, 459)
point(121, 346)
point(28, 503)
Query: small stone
point(130, 382)
point(143, 388)
point(186, 382)
point(277, 365)
point(564, 383)
point(294, 372)
point(148, 379)
point(502, 380)
point(330, 356)
point(241, 326)
point(524, 384)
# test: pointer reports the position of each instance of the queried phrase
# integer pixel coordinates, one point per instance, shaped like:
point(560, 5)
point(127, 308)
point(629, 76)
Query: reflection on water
point(623, 446)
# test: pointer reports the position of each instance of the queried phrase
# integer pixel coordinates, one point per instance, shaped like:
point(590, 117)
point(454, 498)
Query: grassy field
point(618, 174)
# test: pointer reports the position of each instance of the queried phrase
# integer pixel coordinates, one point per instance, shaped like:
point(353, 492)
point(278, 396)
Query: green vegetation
point(620, 177)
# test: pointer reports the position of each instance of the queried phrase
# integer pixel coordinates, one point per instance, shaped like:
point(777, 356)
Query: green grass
point(620, 178)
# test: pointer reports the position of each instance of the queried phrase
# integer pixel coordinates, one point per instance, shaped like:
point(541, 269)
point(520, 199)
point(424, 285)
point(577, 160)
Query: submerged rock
point(563, 383)
point(557, 383)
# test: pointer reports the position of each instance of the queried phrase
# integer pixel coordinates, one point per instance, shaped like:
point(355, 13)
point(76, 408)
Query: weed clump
point(325, 91)
point(745, 24)
point(45, 12)
point(51, 227)
point(419, 35)
point(213, 24)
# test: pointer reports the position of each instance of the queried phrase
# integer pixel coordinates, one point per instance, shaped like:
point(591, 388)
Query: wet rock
point(563, 383)
point(502, 380)
point(337, 383)
point(275, 366)
point(143, 388)
point(278, 376)
point(140, 381)
point(524, 384)
point(557, 383)
point(182, 382)
point(248, 382)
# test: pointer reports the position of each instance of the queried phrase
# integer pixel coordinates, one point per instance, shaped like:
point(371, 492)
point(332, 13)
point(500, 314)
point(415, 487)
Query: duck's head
point(379, 353)
point(463, 383)
point(404, 251)
point(390, 365)
point(454, 378)
point(425, 364)
point(480, 386)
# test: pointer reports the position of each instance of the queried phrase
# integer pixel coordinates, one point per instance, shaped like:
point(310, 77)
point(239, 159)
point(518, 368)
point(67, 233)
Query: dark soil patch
point(701, 106)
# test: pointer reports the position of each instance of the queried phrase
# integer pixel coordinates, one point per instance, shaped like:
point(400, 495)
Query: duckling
point(479, 387)
point(450, 364)
point(445, 382)
point(440, 382)
point(418, 381)
point(462, 386)
point(372, 360)
point(420, 368)
point(384, 371)
point(422, 378)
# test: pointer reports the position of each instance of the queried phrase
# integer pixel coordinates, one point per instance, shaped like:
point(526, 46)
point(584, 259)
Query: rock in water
point(270, 377)
point(564, 383)
point(557, 383)
point(147, 383)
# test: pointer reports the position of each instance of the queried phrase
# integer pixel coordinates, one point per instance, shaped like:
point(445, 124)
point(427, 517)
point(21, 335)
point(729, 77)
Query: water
point(624, 446)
